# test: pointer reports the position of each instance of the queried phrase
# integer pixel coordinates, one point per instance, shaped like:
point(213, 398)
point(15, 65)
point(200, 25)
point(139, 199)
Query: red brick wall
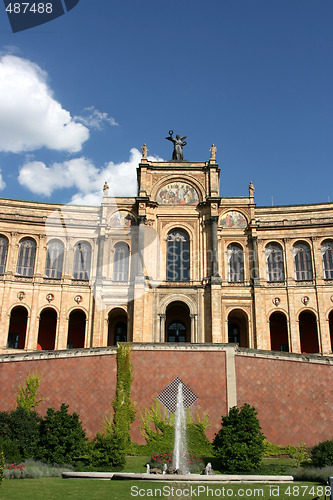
point(203, 374)
point(294, 399)
point(87, 384)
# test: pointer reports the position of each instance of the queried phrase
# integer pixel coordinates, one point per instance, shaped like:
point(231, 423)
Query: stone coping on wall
point(104, 351)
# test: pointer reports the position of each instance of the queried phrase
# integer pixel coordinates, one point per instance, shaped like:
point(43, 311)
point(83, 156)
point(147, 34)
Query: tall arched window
point(26, 257)
point(274, 262)
point(176, 332)
point(327, 256)
point(54, 259)
point(82, 260)
point(3, 253)
point(302, 262)
point(178, 256)
point(121, 262)
point(235, 263)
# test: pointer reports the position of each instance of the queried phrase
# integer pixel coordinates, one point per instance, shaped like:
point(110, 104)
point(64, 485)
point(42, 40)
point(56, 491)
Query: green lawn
point(57, 488)
point(136, 464)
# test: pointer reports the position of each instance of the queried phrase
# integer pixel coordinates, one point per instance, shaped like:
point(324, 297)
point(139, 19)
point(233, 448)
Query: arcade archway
point(178, 323)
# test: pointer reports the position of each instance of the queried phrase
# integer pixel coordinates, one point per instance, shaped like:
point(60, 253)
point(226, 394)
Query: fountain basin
point(196, 478)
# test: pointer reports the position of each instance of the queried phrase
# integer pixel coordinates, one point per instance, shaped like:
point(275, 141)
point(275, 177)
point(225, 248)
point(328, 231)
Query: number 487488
point(26, 7)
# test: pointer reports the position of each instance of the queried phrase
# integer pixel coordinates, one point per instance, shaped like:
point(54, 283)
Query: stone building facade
point(176, 263)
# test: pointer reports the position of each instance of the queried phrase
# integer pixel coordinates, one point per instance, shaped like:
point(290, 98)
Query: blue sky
point(81, 94)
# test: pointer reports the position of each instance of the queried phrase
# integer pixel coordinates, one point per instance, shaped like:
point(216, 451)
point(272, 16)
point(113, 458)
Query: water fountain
point(180, 463)
point(179, 459)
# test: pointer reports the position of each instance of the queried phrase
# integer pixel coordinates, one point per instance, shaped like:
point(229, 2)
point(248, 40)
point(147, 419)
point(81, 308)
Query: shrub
point(105, 453)
point(322, 454)
point(299, 454)
point(311, 474)
point(239, 445)
point(2, 465)
point(11, 451)
point(61, 436)
point(28, 393)
point(21, 428)
point(110, 451)
point(274, 450)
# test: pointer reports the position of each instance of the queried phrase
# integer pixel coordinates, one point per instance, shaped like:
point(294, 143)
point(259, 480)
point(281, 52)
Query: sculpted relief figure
point(178, 144)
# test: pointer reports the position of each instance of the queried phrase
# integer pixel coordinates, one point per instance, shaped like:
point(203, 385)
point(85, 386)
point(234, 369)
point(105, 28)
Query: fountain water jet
point(179, 459)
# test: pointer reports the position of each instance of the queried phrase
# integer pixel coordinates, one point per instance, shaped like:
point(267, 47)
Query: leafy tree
point(322, 454)
point(239, 445)
point(28, 393)
point(19, 433)
point(61, 436)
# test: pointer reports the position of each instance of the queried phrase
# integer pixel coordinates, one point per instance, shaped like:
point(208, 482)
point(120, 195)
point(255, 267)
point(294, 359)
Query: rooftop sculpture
point(178, 144)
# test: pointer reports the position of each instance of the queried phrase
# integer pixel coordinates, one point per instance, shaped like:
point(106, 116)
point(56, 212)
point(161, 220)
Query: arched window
point(54, 259)
point(278, 332)
point(47, 329)
point(274, 262)
point(82, 260)
point(178, 256)
point(238, 328)
point(176, 332)
point(76, 329)
point(26, 257)
point(302, 262)
point(120, 332)
point(121, 262)
point(3, 253)
point(235, 264)
point(117, 326)
point(327, 256)
point(17, 328)
point(308, 332)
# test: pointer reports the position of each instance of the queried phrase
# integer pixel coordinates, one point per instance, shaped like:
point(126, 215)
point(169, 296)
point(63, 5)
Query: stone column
point(215, 255)
point(139, 286)
point(100, 258)
point(194, 332)
point(33, 321)
point(324, 340)
point(259, 325)
point(255, 258)
point(216, 311)
point(162, 328)
point(294, 340)
point(13, 253)
point(139, 272)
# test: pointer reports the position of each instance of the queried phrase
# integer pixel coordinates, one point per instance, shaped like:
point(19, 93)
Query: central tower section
point(180, 200)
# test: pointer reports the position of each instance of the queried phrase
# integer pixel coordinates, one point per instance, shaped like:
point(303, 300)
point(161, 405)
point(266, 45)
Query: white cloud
point(83, 175)
point(93, 118)
point(30, 117)
point(2, 182)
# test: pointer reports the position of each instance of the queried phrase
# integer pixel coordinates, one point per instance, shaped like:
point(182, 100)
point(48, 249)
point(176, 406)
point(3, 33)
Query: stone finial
point(213, 150)
point(144, 150)
point(105, 189)
point(251, 190)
